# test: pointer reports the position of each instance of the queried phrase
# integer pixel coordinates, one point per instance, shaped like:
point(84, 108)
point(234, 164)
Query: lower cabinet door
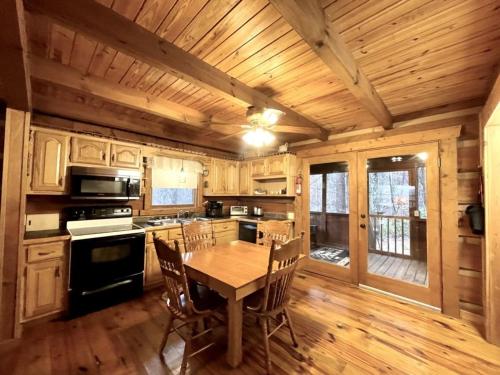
point(43, 288)
point(152, 269)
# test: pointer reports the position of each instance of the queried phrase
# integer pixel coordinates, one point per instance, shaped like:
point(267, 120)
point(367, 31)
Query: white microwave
point(238, 210)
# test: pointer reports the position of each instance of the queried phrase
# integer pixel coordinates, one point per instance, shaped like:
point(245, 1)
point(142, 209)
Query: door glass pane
point(397, 225)
point(329, 213)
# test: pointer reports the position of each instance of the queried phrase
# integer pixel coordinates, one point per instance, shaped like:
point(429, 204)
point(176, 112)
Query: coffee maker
point(214, 208)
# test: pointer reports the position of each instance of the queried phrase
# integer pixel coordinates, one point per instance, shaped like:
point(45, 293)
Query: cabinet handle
point(60, 181)
point(103, 156)
point(43, 254)
point(57, 273)
point(113, 158)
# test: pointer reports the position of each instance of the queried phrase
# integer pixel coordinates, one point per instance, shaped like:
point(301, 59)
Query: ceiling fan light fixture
point(259, 137)
point(271, 116)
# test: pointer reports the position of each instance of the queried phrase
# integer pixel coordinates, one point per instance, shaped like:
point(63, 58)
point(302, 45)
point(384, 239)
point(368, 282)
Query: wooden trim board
point(13, 204)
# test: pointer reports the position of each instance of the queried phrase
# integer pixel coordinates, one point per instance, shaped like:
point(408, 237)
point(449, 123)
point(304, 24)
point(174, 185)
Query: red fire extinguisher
point(298, 185)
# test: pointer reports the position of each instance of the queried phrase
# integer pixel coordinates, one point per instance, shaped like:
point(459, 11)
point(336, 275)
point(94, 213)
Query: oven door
point(104, 261)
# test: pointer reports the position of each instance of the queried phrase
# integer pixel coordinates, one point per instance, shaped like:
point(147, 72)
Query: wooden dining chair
point(198, 235)
point(192, 312)
point(276, 230)
point(270, 304)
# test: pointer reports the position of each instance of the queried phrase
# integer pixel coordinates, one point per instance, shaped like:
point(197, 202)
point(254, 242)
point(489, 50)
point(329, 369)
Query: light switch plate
point(42, 222)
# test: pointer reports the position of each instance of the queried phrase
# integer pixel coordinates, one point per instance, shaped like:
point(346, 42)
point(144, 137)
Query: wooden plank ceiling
point(417, 54)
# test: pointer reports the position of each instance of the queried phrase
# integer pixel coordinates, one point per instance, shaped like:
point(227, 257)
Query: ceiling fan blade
point(226, 126)
point(232, 135)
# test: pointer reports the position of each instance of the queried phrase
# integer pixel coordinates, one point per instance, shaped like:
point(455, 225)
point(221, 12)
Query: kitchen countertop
point(40, 236)
point(250, 219)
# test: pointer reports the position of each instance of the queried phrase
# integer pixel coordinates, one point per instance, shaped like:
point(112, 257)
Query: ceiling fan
point(262, 124)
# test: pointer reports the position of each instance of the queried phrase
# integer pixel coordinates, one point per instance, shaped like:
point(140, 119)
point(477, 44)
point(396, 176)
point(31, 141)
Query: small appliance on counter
point(106, 257)
point(238, 210)
point(214, 208)
point(258, 211)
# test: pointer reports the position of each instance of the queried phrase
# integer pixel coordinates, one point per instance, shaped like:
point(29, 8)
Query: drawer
point(161, 233)
point(175, 234)
point(225, 226)
point(45, 251)
point(225, 238)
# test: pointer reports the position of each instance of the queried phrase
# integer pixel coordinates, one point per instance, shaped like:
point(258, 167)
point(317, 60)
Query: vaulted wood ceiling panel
point(417, 54)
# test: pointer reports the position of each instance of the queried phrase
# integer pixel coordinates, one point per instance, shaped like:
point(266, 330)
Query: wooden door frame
point(430, 294)
point(342, 273)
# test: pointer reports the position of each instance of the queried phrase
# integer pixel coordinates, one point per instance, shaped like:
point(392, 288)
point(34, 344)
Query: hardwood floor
point(411, 270)
point(341, 330)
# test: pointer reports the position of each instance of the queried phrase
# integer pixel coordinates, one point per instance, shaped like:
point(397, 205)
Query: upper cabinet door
point(218, 176)
point(276, 165)
point(244, 177)
point(89, 151)
point(258, 167)
point(125, 156)
point(49, 162)
point(232, 177)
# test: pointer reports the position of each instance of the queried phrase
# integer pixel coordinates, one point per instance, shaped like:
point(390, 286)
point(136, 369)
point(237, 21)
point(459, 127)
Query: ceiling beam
point(15, 86)
point(64, 76)
point(176, 133)
point(443, 112)
point(278, 128)
point(118, 32)
point(309, 20)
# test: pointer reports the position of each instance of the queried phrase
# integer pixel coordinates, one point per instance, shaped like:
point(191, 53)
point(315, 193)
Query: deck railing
point(389, 235)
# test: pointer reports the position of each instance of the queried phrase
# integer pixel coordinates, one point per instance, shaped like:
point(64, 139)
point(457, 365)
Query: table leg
point(234, 336)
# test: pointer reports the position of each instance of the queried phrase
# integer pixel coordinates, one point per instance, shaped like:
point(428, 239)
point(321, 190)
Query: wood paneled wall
point(470, 257)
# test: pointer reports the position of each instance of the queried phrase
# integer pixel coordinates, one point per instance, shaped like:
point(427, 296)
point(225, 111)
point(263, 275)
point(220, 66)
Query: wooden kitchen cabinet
point(224, 177)
point(258, 167)
point(231, 177)
point(43, 284)
point(48, 162)
point(44, 288)
point(225, 231)
point(125, 156)
point(89, 151)
point(244, 183)
point(152, 269)
point(277, 165)
point(218, 178)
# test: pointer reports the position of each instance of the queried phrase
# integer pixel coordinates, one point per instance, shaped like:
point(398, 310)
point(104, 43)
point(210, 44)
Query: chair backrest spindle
point(273, 230)
point(198, 235)
point(174, 274)
point(281, 269)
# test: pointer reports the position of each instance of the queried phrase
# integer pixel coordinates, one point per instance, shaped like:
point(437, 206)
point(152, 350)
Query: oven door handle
point(126, 238)
point(107, 287)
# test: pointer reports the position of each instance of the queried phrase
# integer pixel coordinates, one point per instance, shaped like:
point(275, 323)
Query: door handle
point(362, 226)
point(363, 216)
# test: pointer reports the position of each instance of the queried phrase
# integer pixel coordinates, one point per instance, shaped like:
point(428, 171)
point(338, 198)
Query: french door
point(332, 203)
point(374, 220)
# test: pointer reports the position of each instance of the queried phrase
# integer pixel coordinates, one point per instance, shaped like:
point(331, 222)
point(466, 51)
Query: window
point(316, 193)
point(173, 197)
point(174, 183)
point(390, 193)
point(337, 193)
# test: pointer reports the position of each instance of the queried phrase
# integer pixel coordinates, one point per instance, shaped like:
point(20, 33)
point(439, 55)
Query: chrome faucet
point(183, 213)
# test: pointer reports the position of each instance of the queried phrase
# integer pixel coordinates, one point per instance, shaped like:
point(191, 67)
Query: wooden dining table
point(235, 270)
